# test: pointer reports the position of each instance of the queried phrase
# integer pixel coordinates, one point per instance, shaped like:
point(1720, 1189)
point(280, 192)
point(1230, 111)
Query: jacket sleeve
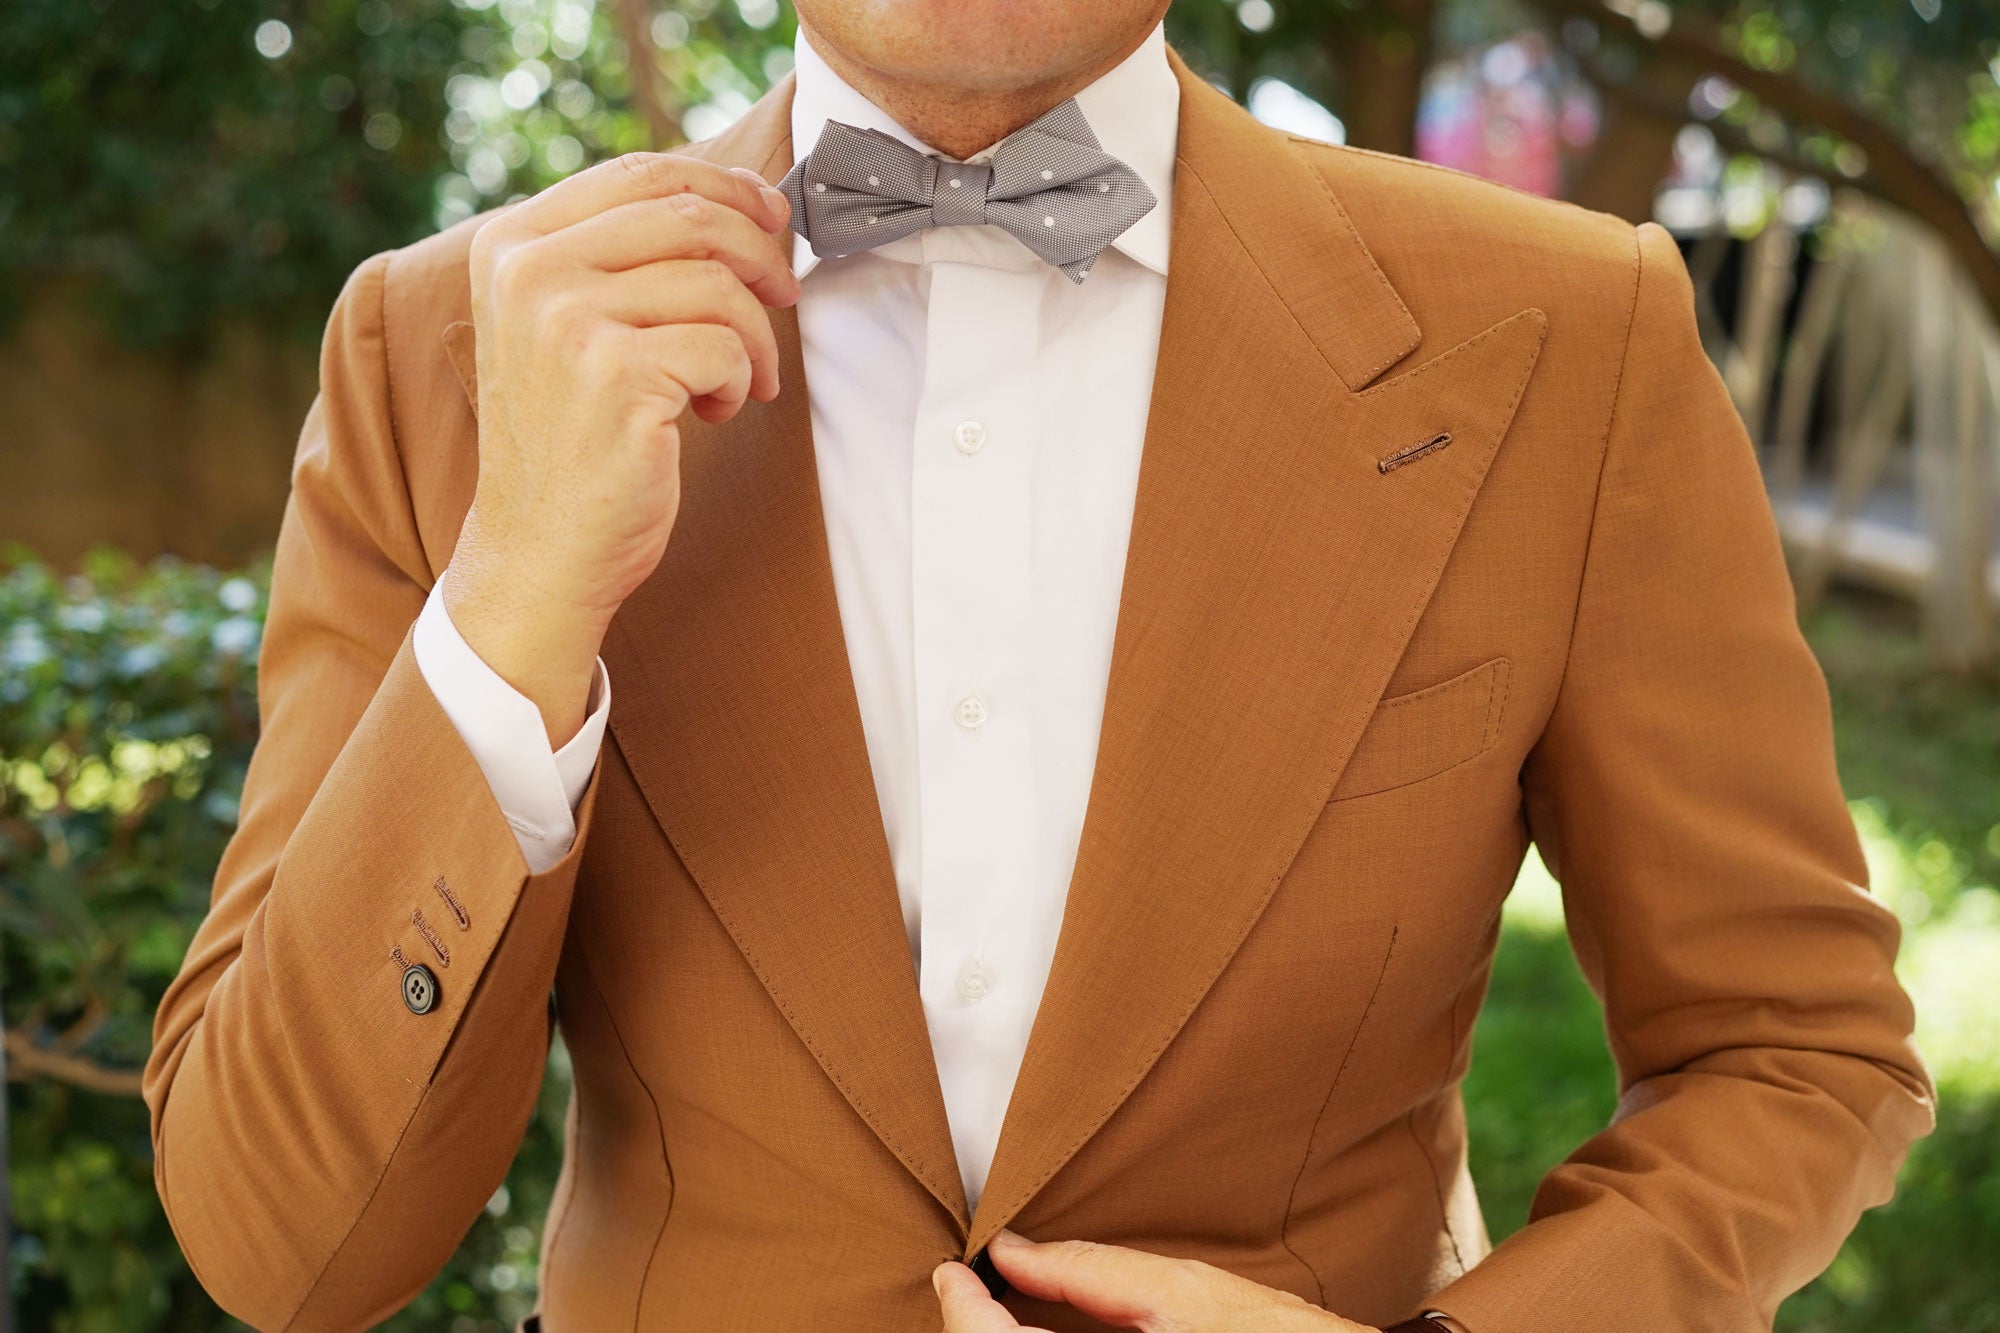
point(320, 1148)
point(1684, 794)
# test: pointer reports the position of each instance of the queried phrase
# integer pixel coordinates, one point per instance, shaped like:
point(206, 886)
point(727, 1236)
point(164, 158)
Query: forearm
point(541, 640)
point(296, 1094)
point(1716, 1192)
point(1684, 793)
point(320, 1145)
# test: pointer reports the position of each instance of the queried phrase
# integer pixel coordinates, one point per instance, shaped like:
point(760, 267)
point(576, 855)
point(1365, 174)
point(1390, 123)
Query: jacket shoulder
point(1432, 203)
point(1465, 252)
point(391, 356)
point(430, 280)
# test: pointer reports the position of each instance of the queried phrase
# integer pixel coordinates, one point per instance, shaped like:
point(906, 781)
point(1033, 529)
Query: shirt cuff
point(537, 789)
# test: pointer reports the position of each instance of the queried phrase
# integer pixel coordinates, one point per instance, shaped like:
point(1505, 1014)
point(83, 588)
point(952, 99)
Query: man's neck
point(959, 121)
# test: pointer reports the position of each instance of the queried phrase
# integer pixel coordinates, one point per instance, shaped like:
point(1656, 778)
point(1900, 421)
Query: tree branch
point(1894, 174)
point(635, 25)
point(27, 1060)
point(85, 1027)
point(1734, 139)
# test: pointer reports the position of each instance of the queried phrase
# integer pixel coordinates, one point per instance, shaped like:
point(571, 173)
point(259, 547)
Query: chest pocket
point(1421, 734)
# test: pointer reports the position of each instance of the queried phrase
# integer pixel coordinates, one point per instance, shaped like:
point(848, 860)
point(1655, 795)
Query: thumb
point(1126, 1288)
point(967, 1308)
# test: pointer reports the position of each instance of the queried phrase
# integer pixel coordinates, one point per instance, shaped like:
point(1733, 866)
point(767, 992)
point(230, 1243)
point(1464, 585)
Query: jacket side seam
point(659, 1125)
point(1437, 1185)
point(1312, 1136)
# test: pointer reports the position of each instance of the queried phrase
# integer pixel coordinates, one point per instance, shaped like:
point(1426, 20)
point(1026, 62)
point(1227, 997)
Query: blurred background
point(185, 183)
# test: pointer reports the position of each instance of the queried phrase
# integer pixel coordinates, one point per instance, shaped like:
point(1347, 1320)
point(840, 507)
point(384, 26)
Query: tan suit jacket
point(1346, 694)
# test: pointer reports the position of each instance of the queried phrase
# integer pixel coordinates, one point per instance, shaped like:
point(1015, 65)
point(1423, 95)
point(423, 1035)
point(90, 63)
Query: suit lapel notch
point(1288, 219)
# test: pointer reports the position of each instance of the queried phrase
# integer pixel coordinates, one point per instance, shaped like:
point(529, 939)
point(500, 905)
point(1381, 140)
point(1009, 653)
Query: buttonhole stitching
point(430, 937)
point(1414, 452)
point(451, 901)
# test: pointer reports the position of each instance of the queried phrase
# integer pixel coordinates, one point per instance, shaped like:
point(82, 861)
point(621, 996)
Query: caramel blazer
point(1447, 540)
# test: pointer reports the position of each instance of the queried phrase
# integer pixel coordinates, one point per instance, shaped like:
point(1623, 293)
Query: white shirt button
point(975, 982)
point(970, 437)
point(970, 713)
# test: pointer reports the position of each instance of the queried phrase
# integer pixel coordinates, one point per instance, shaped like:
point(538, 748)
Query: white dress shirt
point(977, 425)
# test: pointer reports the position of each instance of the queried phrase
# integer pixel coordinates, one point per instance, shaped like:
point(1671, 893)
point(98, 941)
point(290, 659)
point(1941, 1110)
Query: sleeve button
point(420, 988)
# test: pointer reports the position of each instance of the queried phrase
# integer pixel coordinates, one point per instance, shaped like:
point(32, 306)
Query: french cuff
point(536, 789)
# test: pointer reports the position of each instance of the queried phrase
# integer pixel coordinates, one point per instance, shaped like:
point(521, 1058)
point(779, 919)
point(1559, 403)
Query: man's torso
point(1303, 815)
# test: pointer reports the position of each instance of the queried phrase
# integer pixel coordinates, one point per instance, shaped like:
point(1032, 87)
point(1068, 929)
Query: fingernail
point(777, 201)
point(937, 1279)
point(1007, 1240)
point(754, 175)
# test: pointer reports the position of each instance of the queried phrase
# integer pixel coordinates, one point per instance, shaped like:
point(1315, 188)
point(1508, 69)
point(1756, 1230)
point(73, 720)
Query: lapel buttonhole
point(1415, 451)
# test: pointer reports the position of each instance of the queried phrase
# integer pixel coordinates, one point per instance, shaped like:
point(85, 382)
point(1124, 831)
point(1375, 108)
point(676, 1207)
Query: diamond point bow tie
point(1049, 186)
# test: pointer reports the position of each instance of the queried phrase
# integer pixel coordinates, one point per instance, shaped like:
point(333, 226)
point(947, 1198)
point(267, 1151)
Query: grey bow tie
point(1049, 186)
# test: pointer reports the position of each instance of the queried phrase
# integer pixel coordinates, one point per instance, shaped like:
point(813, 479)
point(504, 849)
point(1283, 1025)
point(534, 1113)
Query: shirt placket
point(971, 586)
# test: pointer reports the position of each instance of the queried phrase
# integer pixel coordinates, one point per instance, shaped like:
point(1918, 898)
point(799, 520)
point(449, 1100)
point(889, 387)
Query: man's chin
point(983, 48)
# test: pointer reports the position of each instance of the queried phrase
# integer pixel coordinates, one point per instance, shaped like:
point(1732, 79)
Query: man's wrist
point(547, 652)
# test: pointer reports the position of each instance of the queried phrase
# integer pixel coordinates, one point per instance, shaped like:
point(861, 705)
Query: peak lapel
point(736, 713)
point(1274, 575)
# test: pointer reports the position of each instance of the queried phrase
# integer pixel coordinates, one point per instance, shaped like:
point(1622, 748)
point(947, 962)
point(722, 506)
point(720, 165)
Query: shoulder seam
point(1453, 172)
point(1603, 458)
point(389, 415)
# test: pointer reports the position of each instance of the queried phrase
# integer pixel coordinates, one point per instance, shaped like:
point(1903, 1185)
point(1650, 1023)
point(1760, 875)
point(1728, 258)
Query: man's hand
point(1127, 1289)
point(604, 307)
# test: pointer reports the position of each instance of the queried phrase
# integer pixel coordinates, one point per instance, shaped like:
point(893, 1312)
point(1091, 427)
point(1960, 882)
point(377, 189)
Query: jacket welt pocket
point(1421, 734)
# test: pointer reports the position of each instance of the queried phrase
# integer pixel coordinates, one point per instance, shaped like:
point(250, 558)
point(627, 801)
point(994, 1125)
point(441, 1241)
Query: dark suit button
point(982, 1264)
point(420, 988)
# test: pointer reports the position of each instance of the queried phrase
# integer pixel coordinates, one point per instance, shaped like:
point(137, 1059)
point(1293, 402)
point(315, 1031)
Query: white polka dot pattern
point(1049, 185)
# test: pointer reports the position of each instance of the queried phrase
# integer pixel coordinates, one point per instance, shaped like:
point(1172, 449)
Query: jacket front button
point(982, 1264)
point(420, 988)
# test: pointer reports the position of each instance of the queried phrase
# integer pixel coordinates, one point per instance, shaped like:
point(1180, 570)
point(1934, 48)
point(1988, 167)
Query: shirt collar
point(1133, 109)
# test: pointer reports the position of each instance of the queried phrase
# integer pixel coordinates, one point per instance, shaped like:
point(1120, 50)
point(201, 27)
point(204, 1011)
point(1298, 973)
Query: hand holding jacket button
point(982, 1265)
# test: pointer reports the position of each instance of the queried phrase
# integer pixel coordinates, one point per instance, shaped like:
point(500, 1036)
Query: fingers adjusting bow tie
point(1049, 186)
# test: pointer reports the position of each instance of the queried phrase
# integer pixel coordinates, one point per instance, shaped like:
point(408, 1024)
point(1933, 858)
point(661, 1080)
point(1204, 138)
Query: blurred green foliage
point(204, 158)
point(127, 715)
point(543, 87)
point(157, 150)
point(126, 720)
